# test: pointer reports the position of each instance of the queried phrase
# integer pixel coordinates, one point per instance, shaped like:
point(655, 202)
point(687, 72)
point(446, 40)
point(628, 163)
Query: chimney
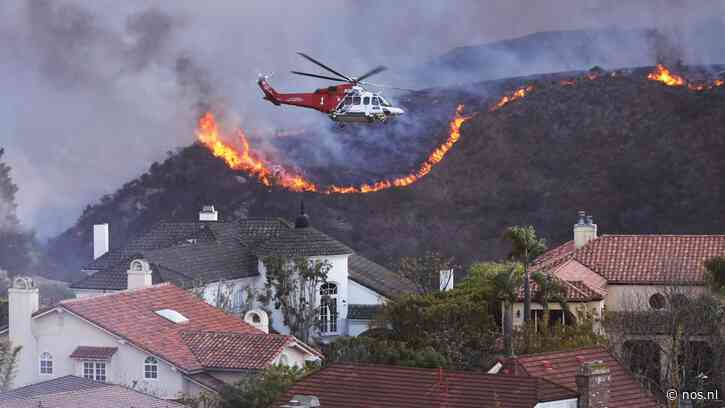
point(258, 318)
point(446, 280)
point(24, 300)
point(585, 230)
point(101, 240)
point(303, 401)
point(208, 213)
point(592, 382)
point(302, 220)
point(139, 274)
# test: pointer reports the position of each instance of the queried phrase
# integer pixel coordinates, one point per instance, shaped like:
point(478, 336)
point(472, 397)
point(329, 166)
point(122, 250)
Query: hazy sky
point(96, 90)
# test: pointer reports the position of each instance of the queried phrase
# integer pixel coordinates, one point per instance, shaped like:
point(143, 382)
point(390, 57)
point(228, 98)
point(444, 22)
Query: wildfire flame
point(664, 75)
point(517, 94)
point(244, 159)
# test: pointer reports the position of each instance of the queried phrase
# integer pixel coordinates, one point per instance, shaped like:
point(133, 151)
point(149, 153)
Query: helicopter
point(346, 103)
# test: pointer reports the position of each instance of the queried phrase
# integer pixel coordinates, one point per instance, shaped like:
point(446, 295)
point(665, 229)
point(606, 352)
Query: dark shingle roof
point(378, 278)
point(363, 312)
point(76, 392)
point(302, 242)
point(382, 386)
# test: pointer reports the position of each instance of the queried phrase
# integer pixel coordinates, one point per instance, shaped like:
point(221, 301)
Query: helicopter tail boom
point(269, 93)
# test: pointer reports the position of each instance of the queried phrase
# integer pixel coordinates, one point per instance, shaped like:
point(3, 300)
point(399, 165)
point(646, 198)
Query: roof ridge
point(230, 333)
point(578, 349)
point(115, 293)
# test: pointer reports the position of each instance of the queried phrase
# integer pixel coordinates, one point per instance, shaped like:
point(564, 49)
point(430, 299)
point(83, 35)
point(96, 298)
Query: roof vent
point(208, 213)
point(302, 221)
point(172, 316)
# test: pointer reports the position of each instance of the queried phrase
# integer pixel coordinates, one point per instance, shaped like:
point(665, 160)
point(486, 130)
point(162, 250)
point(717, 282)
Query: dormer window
point(46, 364)
point(172, 316)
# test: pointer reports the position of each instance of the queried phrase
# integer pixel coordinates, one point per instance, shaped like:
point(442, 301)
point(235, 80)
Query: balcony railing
point(333, 328)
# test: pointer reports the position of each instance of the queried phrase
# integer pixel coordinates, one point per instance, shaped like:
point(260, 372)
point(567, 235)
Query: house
point(565, 368)
point(76, 392)
point(621, 272)
point(159, 339)
point(384, 386)
point(225, 258)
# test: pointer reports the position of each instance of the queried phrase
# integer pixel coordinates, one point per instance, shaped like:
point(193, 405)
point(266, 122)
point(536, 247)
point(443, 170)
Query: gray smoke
point(97, 90)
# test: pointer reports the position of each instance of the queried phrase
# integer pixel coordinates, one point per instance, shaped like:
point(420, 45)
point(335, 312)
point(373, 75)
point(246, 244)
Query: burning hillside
point(241, 157)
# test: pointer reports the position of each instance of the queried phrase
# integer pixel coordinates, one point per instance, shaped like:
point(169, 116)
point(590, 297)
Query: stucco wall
point(636, 297)
point(361, 295)
point(61, 333)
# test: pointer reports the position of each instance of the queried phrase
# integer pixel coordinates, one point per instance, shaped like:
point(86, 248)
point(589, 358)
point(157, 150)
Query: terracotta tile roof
point(641, 259)
point(94, 353)
point(376, 277)
point(576, 291)
point(381, 386)
point(234, 350)
point(131, 315)
point(76, 392)
point(560, 367)
point(651, 258)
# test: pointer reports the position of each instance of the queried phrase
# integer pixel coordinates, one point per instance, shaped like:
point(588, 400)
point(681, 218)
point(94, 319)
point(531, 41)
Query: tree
point(507, 279)
point(8, 363)
point(525, 247)
point(15, 244)
point(293, 287)
point(376, 350)
point(425, 271)
point(715, 275)
point(550, 290)
point(260, 391)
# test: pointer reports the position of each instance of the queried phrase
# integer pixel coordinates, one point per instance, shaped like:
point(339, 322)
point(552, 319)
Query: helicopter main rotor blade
point(325, 66)
point(388, 87)
point(370, 73)
point(318, 76)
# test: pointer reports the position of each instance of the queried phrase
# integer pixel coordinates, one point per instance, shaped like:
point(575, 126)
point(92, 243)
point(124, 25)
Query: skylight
point(172, 316)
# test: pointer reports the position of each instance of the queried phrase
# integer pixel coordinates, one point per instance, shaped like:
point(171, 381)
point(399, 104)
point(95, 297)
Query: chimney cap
point(24, 282)
point(581, 217)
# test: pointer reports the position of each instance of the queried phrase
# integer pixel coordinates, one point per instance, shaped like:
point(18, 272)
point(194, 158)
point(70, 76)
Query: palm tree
point(550, 290)
point(526, 247)
point(506, 284)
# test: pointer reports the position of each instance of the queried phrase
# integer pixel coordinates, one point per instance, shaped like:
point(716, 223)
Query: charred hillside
point(640, 156)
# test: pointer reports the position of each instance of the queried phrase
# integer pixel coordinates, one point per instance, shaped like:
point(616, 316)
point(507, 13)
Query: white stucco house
point(225, 257)
point(157, 339)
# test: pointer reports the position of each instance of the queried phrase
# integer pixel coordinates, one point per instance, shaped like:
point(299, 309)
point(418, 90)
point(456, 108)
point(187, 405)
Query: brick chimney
point(208, 213)
point(101, 240)
point(592, 382)
point(585, 230)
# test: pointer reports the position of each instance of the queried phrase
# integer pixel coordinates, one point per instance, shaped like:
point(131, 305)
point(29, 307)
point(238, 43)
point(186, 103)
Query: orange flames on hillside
point(517, 94)
point(664, 75)
point(242, 158)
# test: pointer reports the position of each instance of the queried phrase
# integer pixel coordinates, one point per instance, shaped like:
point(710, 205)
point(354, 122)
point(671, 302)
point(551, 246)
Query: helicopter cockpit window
point(366, 100)
point(384, 102)
point(356, 100)
point(375, 101)
point(348, 100)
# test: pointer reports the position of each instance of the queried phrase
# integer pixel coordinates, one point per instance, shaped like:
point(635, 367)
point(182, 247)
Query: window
point(328, 308)
point(356, 100)
point(94, 370)
point(46, 364)
point(366, 100)
point(151, 368)
point(172, 315)
point(383, 101)
point(375, 101)
point(348, 100)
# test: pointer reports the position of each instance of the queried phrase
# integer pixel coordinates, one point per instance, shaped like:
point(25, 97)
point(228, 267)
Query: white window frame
point(328, 324)
point(95, 366)
point(46, 358)
point(150, 364)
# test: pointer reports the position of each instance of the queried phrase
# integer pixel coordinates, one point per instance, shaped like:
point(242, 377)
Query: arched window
point(46, 364)
point(328, 308)
point(151, 368)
